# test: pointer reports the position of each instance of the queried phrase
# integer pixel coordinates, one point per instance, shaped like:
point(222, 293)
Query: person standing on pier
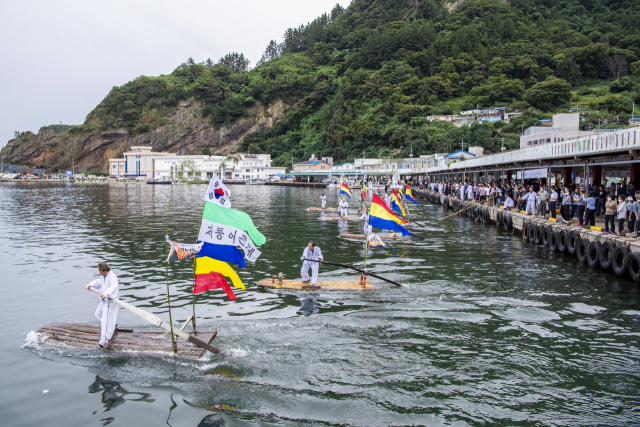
point(610, 209)
point(636, 210)
point(530, 197)
point(542, 200)
point(107, 311)
point(553, 200)
point(323, 201)
point(622, 213)
point(566, 205)
point(590, 204)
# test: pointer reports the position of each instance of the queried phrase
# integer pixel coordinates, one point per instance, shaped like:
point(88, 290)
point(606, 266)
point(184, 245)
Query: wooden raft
point(329, 285)
point(315, 208)
point(81, 335)
point(361, 236)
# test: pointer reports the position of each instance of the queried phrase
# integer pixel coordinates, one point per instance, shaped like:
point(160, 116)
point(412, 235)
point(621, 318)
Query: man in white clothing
point(323, 201)
point(365, 217)
point(470, 192)
point(107, 311)
point(530, 197)
point(310, 252)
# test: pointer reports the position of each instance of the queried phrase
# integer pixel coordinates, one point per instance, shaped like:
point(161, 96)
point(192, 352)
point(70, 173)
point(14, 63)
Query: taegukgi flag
point(218, 193)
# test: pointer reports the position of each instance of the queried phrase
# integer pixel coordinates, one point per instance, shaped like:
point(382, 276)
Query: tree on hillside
point(273, 51)
point(235, 62)
point(618, 67)
point(206, 151)
point(550, 93)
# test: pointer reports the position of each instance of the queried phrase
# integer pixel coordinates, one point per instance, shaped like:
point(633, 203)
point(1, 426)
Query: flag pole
point(173, 339)
point(193, 319)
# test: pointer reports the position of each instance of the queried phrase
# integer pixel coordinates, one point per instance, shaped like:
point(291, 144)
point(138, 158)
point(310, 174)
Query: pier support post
point(597, 174)
point(635, 173)
point(566, 176)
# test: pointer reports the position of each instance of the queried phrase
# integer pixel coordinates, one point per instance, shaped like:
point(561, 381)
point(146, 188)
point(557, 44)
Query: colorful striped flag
point(382, 217)
point(409, 196)
point(344, 189)
point(395, 203)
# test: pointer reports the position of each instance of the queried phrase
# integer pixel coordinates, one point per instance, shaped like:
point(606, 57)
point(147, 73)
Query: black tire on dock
point(546, 231)
point(581, 250)
point(445, 202)
point(537, 235)
point(507, 222)
point(572, 242)
point(593, 250)
point(620, 260)
point(634, 266)
point(499, 219)
point(605, 256)
point(525, 232)
point(531, 233)
point(485, 215)
point(553, 241)
point(563, 241)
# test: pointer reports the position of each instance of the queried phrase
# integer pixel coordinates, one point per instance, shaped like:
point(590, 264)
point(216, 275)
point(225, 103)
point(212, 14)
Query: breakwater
point(613, 253)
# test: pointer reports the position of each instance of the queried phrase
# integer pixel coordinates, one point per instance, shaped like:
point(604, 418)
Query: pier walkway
point(591, 245)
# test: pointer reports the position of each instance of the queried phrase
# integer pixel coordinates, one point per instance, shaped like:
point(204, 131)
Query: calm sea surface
point(487, 330)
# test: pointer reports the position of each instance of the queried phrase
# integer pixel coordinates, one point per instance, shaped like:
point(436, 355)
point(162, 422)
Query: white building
point(343, 167)
point(251, 166)
point(137, 162)
point(564, 127)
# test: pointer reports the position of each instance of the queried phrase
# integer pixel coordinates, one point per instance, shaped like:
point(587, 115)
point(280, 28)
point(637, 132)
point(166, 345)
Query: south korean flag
point(218, 193)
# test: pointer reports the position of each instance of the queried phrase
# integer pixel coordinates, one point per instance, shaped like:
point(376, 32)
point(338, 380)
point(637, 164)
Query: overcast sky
point(60, 58)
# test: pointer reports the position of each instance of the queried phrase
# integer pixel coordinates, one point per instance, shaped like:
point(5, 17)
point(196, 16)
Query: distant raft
point(361, 236)
point(315, 208)
point(329, 285)
point(81, 335)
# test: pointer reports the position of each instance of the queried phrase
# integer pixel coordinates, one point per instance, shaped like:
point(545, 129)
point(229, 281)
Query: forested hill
point(366, 77)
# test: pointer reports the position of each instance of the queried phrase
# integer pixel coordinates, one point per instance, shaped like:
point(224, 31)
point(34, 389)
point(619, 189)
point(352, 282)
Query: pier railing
point(592, 144)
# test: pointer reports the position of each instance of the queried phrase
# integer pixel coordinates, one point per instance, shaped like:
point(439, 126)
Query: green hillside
point(365, 77)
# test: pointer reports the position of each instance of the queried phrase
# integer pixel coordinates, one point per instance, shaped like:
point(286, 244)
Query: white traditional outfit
point(315, 254)
point(530, 197)
point(323, 201)
point(107, 311)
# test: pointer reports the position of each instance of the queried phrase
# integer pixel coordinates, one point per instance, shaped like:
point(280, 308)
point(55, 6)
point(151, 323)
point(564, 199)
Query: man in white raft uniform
point(107, 311)
point(323, 201)
point(310, 252)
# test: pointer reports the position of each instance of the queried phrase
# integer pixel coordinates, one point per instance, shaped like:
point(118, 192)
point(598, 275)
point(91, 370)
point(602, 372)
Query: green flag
point(233, 218)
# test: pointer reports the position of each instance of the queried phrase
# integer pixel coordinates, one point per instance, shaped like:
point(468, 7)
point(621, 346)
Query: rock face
point(186, 132)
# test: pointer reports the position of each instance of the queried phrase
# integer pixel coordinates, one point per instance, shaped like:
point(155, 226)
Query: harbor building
point(250, 166)
point(563, 127)
point(136, 163)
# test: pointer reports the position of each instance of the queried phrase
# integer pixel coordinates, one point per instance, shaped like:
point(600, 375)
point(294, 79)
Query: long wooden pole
point(156, 321)
point(173, 340)
point(365, 272)
point(457, 212)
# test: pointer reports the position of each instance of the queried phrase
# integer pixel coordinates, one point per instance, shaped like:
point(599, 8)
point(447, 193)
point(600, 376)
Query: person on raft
point(323, 201)
point(314, 253)
point(107, 311)
point(365, 217)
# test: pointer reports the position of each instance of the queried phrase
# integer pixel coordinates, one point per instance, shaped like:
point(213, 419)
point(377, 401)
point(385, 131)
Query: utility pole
point(73, 167)
point(411, 151)
point(502, 139)
point(462, 144)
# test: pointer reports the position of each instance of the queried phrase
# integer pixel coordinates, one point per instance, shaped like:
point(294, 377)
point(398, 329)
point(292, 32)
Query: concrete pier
point(591, 245)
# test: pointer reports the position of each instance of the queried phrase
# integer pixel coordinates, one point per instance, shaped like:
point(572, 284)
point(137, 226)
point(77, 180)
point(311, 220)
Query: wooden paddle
point(365, 272)
point(154, 320)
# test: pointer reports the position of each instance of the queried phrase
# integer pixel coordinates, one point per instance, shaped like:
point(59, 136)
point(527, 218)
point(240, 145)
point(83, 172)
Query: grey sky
point(59, 59)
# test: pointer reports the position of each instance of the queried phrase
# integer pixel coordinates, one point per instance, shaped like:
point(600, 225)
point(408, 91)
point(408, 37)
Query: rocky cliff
point(185, 131)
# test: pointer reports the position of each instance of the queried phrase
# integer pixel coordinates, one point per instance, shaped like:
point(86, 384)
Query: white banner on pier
point(533, 173)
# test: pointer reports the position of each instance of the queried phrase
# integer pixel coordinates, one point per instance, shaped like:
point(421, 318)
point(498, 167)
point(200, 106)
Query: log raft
point(85, 336)
point(329, 285)
point(362, 236)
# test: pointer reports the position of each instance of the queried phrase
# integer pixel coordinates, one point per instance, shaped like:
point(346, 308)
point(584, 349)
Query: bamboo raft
point(329, 285)
point(84, 336)
point(362, 236)
point(314, 208)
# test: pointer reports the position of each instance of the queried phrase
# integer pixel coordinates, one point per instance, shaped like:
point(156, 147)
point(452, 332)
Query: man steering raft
point(107, 311)
point(310, 252)
point(323, 201)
